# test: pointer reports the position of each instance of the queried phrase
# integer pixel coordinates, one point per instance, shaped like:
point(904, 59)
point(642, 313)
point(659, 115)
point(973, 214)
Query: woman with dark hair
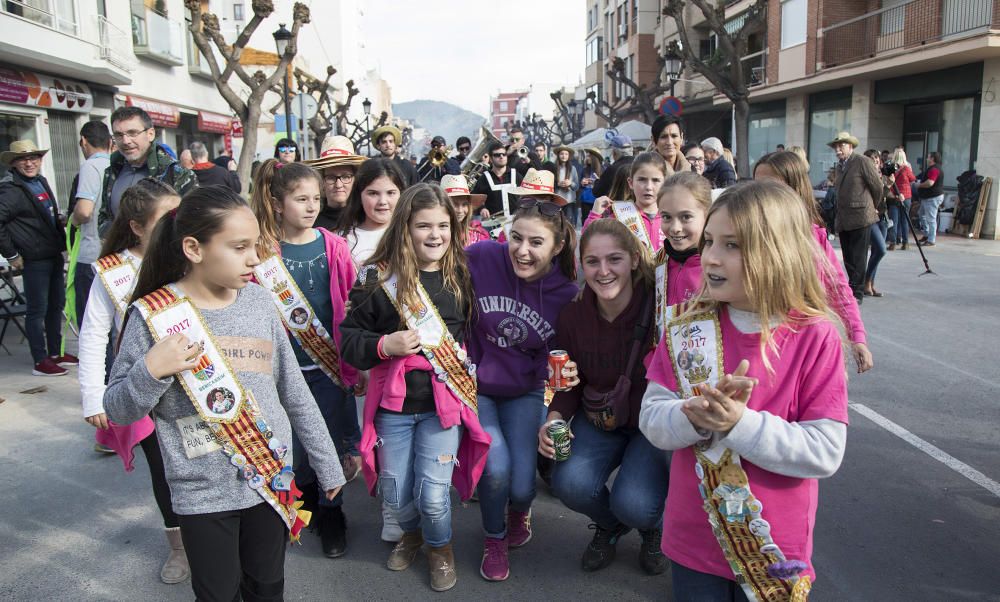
point(287, 151)
point(668, 139)
point(377, 186)
point(880, 229)
point(593, 166)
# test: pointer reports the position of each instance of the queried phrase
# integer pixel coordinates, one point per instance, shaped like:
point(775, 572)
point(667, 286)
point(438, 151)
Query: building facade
point(917, 73)
point(503, 108)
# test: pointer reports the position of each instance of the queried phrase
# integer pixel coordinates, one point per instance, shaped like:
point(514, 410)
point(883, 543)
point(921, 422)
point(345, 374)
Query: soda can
point(559, 433)
point(557, 359)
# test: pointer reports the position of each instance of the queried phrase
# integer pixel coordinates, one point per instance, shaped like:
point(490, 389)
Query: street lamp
point(281, 39)
point(574, 113)
point(673, 63)
point(367, 106)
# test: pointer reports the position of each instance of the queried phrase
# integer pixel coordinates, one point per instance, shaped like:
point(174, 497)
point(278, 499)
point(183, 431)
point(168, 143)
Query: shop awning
point(214, 123)
point(35, 89)
point(162, 114)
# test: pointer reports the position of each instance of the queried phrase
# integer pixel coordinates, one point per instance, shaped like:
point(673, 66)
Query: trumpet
point(438, 157)
point(521, 152)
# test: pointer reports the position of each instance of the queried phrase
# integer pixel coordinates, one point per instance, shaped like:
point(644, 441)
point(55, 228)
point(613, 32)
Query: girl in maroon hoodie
point(520, 287)
point(600, 331)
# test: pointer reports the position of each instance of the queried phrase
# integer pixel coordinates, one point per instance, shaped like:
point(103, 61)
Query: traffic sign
point(671, 105)
point(305, 105)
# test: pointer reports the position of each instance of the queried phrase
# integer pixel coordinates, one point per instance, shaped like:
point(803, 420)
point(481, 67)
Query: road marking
point(931, 358)
point(931, 450)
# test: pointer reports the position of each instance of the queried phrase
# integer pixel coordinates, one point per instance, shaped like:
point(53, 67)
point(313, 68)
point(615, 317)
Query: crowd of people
point(365, 316)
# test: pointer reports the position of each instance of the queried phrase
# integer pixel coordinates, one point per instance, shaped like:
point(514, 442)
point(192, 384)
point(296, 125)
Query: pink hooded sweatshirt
point(838, 291)
point(387, 389)
point(652, 225)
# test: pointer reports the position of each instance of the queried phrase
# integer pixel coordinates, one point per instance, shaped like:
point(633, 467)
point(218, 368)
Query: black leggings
point(236, 553)
point(161, 491)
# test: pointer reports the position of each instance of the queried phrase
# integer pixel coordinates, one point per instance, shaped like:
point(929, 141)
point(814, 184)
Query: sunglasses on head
point(286, 149)
point(544, 207)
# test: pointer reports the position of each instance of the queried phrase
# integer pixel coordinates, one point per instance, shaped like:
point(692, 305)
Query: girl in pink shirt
point(789, 168)
point(752, 431)
point(646, 175)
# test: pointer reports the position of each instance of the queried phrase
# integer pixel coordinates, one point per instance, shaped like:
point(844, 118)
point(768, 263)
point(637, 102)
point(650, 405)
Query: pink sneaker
point(47, 367)
point(518, 528)
point(66, 360)
point(495, 565)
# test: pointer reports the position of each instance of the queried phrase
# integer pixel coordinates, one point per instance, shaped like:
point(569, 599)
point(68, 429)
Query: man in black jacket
point(389, 139)
point(32, 240)
point(621, 154)
point(210, 174)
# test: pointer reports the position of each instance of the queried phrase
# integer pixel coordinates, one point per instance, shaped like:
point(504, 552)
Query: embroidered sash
point(118, 272)
point(228, 409)
point(299, 317)
point(451, 364)
point(662, 308)
point(735, 515)
point(627, 213)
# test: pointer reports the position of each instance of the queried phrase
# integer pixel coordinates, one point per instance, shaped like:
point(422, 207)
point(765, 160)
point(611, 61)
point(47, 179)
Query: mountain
point(440, 118)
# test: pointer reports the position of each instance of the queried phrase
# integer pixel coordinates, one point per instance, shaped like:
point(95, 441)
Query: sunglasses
point(498, 155)
point(286, 149)
point(547, 208)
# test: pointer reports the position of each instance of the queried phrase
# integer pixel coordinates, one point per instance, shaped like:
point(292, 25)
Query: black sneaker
point(601, 550)
point(651, 559)
point(332, 526)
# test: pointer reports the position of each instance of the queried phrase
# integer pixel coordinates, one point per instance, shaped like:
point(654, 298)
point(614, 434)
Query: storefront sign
point(162, 114)
point(29, 88)
point(237, 126)
point(213, 123)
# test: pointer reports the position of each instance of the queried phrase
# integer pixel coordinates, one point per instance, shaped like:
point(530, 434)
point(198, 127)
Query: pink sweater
point(652, 225)
point(387, 389)
point(838, 291)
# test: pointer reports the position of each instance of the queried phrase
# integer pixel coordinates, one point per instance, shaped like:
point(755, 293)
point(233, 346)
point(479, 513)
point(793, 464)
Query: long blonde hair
point(779, 255)
point(395, 255)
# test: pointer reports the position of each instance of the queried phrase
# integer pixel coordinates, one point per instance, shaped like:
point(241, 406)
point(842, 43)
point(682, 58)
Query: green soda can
point(559, 433)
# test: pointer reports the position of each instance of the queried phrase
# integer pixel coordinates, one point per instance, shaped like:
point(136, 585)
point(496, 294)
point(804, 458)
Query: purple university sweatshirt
point(514, 321)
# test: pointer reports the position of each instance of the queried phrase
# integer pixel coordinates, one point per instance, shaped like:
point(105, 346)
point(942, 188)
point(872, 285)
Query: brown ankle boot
point(405, 552)
point(176, 568)
point(442, 564)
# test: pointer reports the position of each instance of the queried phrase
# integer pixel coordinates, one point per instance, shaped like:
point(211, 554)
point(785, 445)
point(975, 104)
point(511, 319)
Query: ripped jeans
point(416, 459)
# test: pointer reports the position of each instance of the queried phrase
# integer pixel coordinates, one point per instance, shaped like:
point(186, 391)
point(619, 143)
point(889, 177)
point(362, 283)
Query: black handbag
point(610, 410)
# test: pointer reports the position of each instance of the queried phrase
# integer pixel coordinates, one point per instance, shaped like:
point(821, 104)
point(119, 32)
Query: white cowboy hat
point(458, 186)
point(21, 148)
point(337, 150)
point(539, 182)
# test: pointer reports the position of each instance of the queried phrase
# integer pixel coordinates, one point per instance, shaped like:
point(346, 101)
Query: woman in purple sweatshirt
point(520, 288)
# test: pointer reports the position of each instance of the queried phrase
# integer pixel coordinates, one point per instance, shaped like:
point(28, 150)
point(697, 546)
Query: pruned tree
point(724, 69)
point(205, 32)
point(640, 99)
point(322, 123)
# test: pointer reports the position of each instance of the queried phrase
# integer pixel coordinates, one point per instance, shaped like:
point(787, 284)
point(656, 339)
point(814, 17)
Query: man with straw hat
point(857, 185)
point(389, 139)
point(32, 240)
point(338, 164)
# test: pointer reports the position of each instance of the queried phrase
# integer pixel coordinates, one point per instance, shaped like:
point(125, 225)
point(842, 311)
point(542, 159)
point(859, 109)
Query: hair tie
point(279, 165)
point(173, 213)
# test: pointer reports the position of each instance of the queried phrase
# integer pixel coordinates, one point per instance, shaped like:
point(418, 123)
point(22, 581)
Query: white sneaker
point(391, 531)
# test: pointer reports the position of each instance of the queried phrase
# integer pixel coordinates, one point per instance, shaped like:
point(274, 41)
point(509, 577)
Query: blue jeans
point(45, 296)
point(640, 489)
point(83, 279)
point(694, 586)
point(340, 415)
point(509, 476)
point(878, 248)
point(416, 458)
point(928, 216)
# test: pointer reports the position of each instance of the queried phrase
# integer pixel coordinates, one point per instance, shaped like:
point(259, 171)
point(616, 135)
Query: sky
point(463, 52)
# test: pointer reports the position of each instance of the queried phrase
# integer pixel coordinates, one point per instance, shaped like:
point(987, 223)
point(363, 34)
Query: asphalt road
point(895, 523)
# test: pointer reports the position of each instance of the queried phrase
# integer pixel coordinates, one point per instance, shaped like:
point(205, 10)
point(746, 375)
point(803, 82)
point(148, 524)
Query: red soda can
point(558, 359)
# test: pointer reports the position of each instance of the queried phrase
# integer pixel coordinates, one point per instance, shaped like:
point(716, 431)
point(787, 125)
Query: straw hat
point(21, 148)
point(563, 147)
point(536, 183)
point(458, 186)
point(595, 152)
point(337, 150)
point(388, 129)
point(845, 137)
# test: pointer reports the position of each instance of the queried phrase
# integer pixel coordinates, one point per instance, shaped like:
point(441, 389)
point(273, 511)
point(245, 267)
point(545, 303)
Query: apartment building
point(921, 73)
point(504, 108)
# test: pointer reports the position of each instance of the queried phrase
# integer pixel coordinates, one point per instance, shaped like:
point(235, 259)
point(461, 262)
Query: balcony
point(115, 46)
point(755, 68)
point(156, 37)
point(907, 24)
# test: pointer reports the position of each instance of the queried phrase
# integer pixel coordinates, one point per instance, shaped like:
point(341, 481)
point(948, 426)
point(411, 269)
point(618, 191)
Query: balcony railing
point(911, 23)
point(54, 14)
point(156, 37)
point(755, 68)
point(115, 46)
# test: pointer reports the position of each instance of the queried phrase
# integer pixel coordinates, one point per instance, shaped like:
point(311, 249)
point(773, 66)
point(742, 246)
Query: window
point(635, 12)
point(893, 17)
point(598, 90)
point(503, 106)
point(793, 23)
point(595, 50)
point(592, 18)
point(238, 14)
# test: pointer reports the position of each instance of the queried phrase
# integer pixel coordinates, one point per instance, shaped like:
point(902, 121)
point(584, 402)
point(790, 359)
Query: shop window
point(767, 128)
point(830, 112)
point(64, 140)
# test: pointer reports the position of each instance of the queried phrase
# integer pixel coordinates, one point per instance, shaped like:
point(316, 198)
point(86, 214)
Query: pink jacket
point(475, 234)
point(683, 279)
point(652, 226)
point(342, 277)
point(838, 291)
point(387, 389)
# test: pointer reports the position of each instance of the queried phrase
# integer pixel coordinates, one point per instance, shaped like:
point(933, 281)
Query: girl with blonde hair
point(748, 389)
